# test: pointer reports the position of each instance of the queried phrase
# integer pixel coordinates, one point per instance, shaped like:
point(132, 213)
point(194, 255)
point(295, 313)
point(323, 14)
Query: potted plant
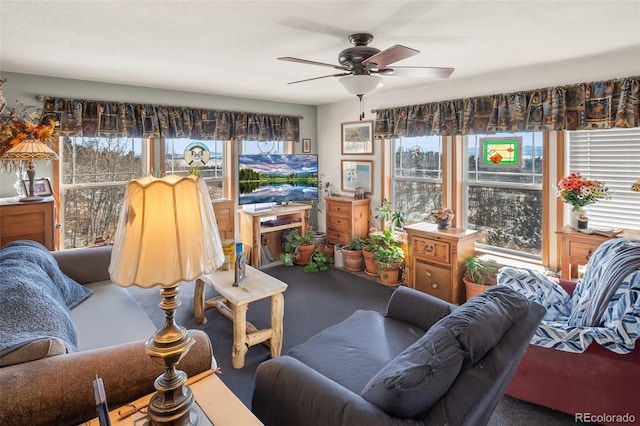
point(386, 214)
point(443, 217)
point(478, 275)
point(352, 254)
point(320, 258)
point(389, 258)
point(301, 246)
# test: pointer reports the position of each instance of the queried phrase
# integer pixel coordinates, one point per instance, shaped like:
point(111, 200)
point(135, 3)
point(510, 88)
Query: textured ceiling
point(230, 47)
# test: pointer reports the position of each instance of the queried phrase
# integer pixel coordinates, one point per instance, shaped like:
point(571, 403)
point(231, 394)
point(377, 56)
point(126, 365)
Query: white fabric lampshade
point(167, 233)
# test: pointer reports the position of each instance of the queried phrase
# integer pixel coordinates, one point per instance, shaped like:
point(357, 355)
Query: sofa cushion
point(36, 298)
point(418, 377)
point(351, 352)
point(482, 321)
point(111, 317)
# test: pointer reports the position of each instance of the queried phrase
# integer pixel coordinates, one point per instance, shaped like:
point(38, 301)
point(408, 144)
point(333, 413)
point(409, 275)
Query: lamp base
point(173, 402)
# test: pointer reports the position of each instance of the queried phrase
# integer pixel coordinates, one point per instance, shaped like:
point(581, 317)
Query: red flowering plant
point(443, 214)
point(580, 192)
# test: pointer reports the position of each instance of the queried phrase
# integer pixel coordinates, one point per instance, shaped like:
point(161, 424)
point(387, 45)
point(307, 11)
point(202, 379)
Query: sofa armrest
point(289, 393)
point(59, 389)
point(417, 308)
point(85, 265)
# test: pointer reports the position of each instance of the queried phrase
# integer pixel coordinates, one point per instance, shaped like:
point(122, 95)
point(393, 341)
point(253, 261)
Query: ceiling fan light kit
point(361, 84)
point(363, 66)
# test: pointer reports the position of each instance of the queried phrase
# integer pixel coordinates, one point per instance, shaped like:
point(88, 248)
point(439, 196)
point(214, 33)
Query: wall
point(26, 87)
point(617, 64)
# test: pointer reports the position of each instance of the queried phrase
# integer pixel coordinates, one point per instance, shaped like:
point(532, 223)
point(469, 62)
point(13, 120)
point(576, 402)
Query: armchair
point(425, 362)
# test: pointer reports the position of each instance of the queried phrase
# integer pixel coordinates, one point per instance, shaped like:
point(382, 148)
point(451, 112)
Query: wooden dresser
point(436, 258)
point(28, 221)
point(346, 218)
point(225, 218)
point(577, 247)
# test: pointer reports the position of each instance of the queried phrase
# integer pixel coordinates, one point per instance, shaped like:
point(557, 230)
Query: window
point(417, 176)
point(94, 173)
point(207, 155)
point(503, 188)
point(611, 156)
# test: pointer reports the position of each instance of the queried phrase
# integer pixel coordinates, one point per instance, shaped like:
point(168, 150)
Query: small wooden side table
point(233, 303)
point(214, 398)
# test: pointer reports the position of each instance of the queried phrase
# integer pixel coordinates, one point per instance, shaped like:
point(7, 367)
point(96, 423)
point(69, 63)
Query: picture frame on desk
point(41, 187)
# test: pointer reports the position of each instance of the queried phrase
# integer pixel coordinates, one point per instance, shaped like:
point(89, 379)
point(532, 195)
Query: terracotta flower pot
point(352, 260)
point(304, 254)
point(391, 276)
point(370, 264)
point(474, 289)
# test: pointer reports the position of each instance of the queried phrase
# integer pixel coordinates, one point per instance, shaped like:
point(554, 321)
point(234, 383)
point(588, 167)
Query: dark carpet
point(313, 302)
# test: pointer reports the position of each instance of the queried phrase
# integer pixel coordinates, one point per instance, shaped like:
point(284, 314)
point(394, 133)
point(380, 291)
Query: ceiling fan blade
point(389, 56)
point(429, 72)
point(306, 61)
point(318, 78)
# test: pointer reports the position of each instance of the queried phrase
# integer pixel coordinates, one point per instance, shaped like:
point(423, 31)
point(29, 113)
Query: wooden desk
point(577, 247)
point(254, 236)
point(218, 403)
point(233, 303)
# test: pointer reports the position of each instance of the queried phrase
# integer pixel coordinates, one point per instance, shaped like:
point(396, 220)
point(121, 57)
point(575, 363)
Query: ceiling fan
point(362, 65)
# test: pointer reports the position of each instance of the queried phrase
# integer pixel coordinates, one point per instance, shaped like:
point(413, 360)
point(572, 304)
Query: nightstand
point(28, 221)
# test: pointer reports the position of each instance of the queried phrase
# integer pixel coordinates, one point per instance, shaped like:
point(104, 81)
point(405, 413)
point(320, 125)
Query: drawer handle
point(589, 254)
point(434, 285)
point(428, 248)
point(427, 273)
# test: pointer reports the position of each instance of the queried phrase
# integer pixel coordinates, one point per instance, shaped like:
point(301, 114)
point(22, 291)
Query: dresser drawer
point(339, 222)
point(579, 253)
point(431, 249)
point(336, 236)
point(433, 280)
point(339, 209)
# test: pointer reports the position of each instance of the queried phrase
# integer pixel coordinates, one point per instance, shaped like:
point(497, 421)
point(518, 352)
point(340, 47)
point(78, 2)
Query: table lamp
point(30, 149)
point(167, 234)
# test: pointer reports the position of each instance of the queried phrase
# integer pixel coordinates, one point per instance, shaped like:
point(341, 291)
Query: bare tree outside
point(94, 175)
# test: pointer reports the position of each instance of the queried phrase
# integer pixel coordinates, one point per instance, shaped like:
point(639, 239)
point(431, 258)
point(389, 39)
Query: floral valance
point(88, 118)
point(594, 105)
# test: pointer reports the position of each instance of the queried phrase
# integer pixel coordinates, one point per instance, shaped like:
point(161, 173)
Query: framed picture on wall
point(41, 187)
point(357, 138)
point(357, 174)
point(306, 146)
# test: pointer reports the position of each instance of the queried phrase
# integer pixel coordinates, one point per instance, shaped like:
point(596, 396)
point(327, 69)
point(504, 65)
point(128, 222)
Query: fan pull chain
point(361, 107)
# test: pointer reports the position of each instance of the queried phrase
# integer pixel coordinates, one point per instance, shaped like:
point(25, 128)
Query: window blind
point(611, 156)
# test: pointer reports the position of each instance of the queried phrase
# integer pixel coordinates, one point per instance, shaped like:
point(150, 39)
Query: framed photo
point(357, 174)
point(357, 137)
point(306, 146)
point(41, 187)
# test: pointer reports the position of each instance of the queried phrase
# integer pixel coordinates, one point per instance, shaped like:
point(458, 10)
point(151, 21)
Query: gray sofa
point(425, 362)
point(111, 330)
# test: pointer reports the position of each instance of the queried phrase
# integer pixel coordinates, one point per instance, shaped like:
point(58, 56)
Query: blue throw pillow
point(417, 377)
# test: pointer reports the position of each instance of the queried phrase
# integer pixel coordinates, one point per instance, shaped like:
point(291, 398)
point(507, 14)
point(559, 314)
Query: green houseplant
point(386, 214)
point(301, 246)
point(478, 275)
point(319, 260)
point(388, 255)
